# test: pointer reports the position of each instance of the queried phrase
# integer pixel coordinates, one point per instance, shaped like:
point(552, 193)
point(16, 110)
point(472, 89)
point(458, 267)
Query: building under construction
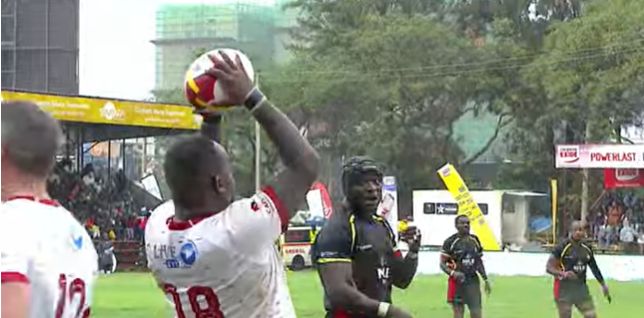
point(184, 31)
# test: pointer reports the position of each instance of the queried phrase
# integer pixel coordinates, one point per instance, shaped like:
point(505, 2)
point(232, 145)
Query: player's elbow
point(402, 284)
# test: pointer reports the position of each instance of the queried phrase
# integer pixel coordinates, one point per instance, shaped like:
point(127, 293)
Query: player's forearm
point(445, 268)
point(480, 267)
point(295, 151)
point(211, 127)
point(405, 270)
point(553, 270)
point(348, 298)
point(596, 272)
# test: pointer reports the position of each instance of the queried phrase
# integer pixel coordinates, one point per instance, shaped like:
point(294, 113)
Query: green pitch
point(130, 295)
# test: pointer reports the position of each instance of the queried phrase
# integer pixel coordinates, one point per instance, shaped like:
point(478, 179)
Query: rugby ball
point(201, 88)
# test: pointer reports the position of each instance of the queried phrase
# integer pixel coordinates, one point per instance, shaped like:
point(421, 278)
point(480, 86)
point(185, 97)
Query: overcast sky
point(116, 56)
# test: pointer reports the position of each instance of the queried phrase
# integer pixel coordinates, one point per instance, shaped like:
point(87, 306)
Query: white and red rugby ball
point(200, 88)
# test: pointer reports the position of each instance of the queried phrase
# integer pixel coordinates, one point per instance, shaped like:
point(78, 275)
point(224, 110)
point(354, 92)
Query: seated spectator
point(604, 236)
point(599, 220)
point(614, 214)
point(628, 238)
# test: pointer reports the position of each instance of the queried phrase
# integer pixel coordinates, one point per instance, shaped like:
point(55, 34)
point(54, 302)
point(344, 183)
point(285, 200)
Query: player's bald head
point(191, 165)
point(31, 138)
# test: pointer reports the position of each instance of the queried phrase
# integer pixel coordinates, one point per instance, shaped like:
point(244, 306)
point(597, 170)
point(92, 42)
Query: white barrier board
point(615, 267)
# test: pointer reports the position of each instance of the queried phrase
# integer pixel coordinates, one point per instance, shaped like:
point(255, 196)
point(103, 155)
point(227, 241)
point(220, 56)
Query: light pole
point(258, 148)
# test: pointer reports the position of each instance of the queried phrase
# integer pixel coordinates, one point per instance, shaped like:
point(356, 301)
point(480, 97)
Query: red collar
point(32, 198)
point(178, 225)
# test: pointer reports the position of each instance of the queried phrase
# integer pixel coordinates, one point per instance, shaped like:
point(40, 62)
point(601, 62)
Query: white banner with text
point(599, 156)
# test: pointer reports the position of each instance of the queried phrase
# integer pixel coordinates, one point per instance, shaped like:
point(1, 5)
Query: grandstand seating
point(130, 255)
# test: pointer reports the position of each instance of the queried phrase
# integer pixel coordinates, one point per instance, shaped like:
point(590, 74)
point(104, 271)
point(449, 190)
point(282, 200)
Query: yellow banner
point(111, 112)
point(466, 205)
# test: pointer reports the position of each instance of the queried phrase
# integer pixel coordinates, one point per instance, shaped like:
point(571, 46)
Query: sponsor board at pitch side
point(600, 156)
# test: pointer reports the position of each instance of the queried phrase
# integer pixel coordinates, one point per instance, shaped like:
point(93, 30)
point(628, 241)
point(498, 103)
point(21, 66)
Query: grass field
point(130, 295)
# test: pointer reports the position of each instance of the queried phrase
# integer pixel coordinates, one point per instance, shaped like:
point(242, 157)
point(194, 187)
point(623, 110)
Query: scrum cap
point(354, 168)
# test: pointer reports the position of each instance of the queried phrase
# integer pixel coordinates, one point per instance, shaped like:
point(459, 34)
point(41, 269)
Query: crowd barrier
point(615, 267)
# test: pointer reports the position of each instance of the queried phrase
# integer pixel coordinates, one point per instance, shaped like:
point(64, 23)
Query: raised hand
point(233, 80)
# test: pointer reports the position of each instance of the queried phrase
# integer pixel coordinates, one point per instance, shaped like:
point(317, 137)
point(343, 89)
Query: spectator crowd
point(619, 222)
point(102, 202)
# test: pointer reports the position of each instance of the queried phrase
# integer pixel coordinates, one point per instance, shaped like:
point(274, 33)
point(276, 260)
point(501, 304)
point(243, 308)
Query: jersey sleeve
point(479, 246)
point(14, 255)
point(334, 244)
point(258, 220)
point(446, 250)
point(558, 250)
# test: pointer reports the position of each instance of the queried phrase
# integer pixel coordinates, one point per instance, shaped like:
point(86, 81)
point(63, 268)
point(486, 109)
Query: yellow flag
point(466, 205)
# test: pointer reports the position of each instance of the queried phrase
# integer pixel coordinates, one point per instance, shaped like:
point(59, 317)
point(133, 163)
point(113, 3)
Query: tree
point(392, 85)
point(592, 69)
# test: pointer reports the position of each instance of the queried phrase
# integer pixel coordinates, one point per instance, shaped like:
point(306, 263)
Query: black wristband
point(212, 118)
point(254, 98)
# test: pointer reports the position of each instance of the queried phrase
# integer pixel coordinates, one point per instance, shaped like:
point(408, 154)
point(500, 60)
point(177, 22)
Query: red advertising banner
point(623, 178)
point(327, 206)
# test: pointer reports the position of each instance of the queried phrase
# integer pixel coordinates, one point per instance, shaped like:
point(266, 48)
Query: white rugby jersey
point(225, 264)
point(45, 246)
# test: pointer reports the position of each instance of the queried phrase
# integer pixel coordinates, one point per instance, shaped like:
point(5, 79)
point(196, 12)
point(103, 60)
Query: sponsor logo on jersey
point(76, 239)
point(383, 273)
point(188, 253)
point(182, 256)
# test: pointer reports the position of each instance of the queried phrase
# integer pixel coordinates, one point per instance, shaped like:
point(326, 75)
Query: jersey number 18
point(212, 309)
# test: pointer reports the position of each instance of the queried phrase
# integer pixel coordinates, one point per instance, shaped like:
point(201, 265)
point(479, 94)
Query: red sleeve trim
point(282, 211)
point(14, 277)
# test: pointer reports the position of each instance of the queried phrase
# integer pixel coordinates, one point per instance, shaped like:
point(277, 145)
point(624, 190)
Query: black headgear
point(354, 168)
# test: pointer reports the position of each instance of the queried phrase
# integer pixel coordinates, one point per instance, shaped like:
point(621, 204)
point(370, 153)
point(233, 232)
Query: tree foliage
point(391, 78)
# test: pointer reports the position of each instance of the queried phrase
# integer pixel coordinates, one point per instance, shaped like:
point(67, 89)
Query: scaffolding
point(184, 30)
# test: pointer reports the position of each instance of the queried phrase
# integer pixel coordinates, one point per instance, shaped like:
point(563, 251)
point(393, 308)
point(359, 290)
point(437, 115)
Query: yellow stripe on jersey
point(334, 260)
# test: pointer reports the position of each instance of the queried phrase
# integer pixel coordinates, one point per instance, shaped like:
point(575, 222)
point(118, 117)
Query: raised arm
point(289, 188)
point(404, 269)
point(211, 126)
point(300, 160)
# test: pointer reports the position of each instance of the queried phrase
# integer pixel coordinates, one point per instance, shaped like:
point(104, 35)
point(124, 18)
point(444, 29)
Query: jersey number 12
point(76, 288)
point(212, 309)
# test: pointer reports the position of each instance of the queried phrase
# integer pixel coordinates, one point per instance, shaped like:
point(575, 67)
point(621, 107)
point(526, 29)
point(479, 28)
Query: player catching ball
point(568, 263)
point(356, 252)
point(214, 257)
point(461, 260)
